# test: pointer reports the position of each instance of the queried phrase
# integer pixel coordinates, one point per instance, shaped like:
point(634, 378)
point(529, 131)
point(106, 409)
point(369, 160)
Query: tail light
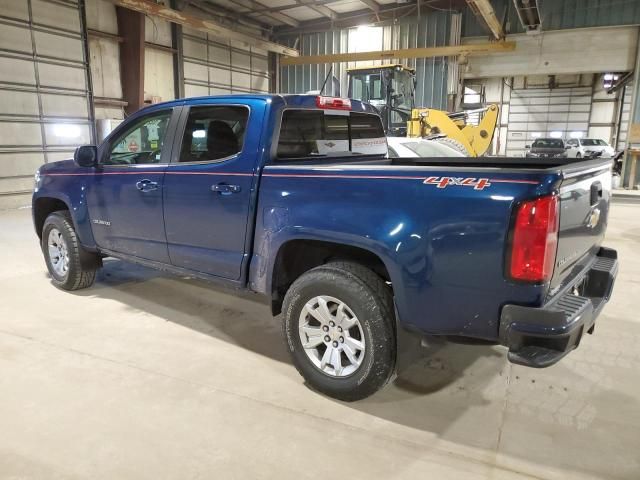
point(535, 240)
point(333, 103)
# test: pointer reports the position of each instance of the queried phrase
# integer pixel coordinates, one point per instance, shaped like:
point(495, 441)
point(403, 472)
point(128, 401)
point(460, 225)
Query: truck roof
point(299, 100)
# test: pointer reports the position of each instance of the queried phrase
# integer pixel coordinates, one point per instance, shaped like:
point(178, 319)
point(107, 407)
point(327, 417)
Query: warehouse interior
point(146, 375)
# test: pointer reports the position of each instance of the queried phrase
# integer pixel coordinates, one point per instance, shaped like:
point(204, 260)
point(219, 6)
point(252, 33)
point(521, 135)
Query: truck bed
point(520, 163)
point(498, 162)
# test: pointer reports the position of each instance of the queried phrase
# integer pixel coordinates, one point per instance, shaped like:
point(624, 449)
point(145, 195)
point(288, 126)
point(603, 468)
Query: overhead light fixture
point(609, 79)
point(576, 134)
point(555, 134)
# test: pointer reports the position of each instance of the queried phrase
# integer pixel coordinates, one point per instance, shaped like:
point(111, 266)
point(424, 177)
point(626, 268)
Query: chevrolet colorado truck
point(293, 197)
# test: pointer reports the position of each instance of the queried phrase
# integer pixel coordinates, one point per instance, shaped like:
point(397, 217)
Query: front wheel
point(70, 266)
point(578, 155)
point(339, 327)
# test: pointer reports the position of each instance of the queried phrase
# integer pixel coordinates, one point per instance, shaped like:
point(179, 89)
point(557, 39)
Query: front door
point(125, 194)
point(207, 190)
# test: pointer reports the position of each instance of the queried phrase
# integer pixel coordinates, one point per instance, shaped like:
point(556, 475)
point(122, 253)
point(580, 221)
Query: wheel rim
point(331, 336)
point(58, 253)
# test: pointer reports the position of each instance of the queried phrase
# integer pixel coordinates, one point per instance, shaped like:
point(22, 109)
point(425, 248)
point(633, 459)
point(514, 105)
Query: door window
point(213, 133)
point(142, 143)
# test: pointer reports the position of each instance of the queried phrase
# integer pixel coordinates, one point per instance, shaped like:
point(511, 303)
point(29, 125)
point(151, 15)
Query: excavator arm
point(476, 139)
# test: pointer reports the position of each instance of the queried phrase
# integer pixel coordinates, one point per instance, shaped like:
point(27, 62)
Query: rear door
point(124, 195)
point(208, 188)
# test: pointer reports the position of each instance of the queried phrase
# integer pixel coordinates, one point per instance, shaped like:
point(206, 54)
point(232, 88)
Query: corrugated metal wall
point(212, 67)
point(560, 14)
point(432, 30)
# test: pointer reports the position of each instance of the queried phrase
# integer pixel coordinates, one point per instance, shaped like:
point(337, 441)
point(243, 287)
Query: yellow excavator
point(391, 90)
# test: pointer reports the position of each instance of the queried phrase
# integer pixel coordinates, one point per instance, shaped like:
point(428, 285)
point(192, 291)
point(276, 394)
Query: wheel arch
point(45, 206)
point(297, 256)
point(45, 203)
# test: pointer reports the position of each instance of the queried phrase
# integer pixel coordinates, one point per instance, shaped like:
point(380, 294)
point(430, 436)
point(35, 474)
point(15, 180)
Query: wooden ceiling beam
point(427, 52)
point(208, 26)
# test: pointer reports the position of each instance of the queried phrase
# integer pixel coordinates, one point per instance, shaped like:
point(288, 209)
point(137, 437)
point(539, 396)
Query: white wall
point(158, 64)
point(586, 50)
point(214, 66)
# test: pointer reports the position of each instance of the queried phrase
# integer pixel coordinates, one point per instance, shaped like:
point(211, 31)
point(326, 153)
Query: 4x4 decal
point(444, 182)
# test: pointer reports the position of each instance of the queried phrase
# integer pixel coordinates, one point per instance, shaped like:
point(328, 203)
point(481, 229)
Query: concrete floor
point(145, 376)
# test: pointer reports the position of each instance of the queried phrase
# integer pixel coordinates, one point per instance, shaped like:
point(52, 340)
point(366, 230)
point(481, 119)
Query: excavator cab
point(390, 89)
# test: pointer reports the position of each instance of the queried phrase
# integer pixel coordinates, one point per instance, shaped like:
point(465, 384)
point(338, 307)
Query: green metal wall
point(431, 30)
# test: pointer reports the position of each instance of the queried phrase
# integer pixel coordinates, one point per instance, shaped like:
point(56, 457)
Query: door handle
point(146, 185)
point(596, 193)
point(225, 188)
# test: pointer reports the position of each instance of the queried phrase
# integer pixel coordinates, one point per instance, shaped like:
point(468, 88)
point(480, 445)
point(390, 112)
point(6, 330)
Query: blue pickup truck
point(293, 197)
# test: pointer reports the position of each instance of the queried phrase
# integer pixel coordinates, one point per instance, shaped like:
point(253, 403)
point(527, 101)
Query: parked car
point(546, 148)
point(589, 147)
point(400, 147)
point(291, 197)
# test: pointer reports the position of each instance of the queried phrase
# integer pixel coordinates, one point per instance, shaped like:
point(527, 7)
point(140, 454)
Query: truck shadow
point(465, 394)
point(245, 320)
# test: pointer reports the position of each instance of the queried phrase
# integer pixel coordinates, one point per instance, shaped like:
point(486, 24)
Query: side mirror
point(567, 147)
point(86, 156)
point(527, 146)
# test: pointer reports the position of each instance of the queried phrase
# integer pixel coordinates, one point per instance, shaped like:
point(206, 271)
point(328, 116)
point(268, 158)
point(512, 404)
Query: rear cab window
point(318, 133)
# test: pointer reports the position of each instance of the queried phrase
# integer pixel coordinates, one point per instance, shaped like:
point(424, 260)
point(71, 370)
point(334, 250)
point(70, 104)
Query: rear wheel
point(71, 267)
point(339, 326)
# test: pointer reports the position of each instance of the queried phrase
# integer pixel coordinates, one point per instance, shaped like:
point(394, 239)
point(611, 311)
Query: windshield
point(593, 142)
point(367, 87)
point(307, 133)
point(401, 90)
point(429, 148)
point(548, 143)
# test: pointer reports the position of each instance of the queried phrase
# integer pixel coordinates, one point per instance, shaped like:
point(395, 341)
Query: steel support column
point(131, 28)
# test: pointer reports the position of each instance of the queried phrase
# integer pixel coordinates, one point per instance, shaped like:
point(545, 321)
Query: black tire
point(81, 272)
point(370, 299)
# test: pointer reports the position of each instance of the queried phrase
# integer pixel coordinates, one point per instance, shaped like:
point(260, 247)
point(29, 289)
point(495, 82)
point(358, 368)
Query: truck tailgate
point(585, 193)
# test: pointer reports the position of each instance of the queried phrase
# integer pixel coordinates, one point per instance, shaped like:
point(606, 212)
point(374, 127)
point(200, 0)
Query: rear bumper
point(539, 337)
